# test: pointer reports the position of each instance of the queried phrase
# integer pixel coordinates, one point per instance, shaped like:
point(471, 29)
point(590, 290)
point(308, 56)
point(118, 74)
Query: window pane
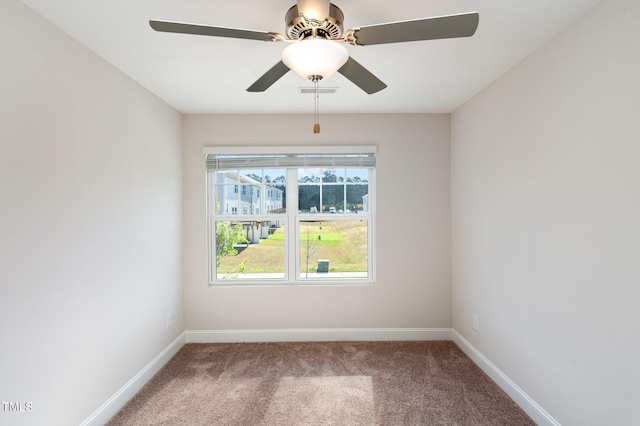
point(331, 175)
point(308, 175)
point(357, 195)
point(251, 250)
point(226, 199)
point(253, 174)
point(309, 198)
point(275, 176)
point(334, 249)
point(357, 175)
point(332, 198)
point(250, 192)
point(275, 196)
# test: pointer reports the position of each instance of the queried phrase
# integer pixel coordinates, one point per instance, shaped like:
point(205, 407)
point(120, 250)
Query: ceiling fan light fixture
point(315, 58)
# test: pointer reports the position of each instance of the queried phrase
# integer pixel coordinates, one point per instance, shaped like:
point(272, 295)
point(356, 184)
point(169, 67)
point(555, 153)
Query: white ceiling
point(198, 74)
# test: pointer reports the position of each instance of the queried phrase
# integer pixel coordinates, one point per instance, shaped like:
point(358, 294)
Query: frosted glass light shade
point(315, 57)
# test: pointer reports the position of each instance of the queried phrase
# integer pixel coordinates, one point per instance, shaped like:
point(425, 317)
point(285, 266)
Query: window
point(313, 224)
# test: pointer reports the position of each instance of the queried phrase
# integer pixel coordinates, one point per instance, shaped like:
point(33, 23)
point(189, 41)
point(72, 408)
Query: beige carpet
point(335, 383)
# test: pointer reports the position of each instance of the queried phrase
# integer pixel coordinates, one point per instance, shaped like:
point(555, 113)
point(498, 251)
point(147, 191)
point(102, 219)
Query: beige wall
point(413, 262)
point(90, 224)
point(545, 220)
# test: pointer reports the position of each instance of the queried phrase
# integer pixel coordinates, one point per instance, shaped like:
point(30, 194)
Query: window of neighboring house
point(315, 223)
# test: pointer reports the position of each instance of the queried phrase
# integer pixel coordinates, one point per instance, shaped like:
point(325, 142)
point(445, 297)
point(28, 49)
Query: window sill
point(328, 282)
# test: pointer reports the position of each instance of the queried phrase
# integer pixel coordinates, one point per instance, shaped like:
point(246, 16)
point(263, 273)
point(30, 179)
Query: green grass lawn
point(343, 243)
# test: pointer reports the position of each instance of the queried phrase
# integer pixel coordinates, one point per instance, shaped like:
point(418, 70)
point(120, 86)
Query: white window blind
point(361, 157)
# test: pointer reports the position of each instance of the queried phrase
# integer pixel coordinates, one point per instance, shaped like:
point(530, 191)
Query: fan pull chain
point(316, 126)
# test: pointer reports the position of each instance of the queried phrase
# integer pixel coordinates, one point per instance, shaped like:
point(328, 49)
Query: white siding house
point(241, 194)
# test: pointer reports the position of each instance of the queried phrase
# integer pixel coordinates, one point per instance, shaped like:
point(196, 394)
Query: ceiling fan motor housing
point(299, 28)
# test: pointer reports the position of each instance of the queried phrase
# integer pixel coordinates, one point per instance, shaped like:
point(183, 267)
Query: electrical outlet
point(476, 323)
point(169, 320)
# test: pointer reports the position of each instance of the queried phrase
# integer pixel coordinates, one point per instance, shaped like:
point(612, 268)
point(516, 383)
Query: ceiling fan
point(316, 40)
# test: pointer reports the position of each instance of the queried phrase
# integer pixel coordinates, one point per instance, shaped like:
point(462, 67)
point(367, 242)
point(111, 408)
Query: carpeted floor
point(328, 383)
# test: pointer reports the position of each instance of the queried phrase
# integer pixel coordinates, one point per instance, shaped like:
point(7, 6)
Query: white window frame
point(292, 218)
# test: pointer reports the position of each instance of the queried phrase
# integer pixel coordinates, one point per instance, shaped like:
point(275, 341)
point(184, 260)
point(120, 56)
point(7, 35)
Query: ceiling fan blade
point(361, 77)
point(268, 78)
point(178, 27)
point(451, 26)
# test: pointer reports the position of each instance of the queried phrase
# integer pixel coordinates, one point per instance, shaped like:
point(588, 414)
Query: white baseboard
point(524, 401)
point(125, 393)
point(317, 335)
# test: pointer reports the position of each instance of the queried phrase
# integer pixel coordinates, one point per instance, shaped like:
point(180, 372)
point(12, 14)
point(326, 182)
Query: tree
point(310, 179)
point(311, 246)
point(329, 175)
point(308, 196)
point(227, 237)
point(280, 183)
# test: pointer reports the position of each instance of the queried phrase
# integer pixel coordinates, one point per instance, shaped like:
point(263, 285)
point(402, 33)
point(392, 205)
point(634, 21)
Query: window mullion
point(344, 191)
point(321, 209)
point(211, 242)
point(372, 236)
point(291, 246)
